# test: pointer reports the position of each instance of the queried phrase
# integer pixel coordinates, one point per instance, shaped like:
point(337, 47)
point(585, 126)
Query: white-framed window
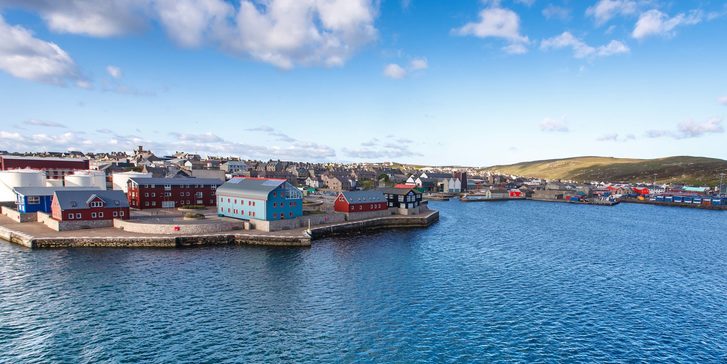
point(116, 214)
point(93, 215)
point(146, 203)
point(78, 216)
point(153, 194)
point(96, 204)
point(146, 194)
point(121, 213)
point(70, 216)
point(187, 194)
point(153, 203)
point(167, 194)
point(33, 200)
point(100, 214)
point(198, 195)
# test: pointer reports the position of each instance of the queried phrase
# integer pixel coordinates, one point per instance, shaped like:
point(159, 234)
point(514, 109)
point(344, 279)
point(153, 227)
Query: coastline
point(286, 238)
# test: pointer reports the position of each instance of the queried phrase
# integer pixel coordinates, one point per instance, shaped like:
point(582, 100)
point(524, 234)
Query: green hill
point(690, 170)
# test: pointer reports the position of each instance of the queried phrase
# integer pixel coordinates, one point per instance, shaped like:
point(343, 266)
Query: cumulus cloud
point(605, 10)
point(285, 33)
point(497, 22)
point(556, 12)
point(554, 125)
point(419, 64)
point(113, 71)
point(581, 49)
point(207, 143)
point(690, 129)
point(278, 135)
point(657, 23)
point(24, 56)
point(393, 70)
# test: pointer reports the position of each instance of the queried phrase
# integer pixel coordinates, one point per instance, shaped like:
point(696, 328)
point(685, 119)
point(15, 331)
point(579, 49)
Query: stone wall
point(423, 220)
point(169, 229)
point(406, 212)
point(363, 215)
point(17, 216)
point(72, 225)
point(298, 222)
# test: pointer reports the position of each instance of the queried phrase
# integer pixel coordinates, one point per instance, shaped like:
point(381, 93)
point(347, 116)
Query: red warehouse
point(151, 193)
point(360, 201)
point(55, 168)
point(515, 193)
point(71, 205)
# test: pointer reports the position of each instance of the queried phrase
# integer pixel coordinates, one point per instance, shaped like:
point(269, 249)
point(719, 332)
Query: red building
point(72, 205)
point(55, 168)
point(360, 201)
point(514, 193)
point(152, 193)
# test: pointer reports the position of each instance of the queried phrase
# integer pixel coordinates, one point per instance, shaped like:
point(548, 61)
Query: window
point(70, 216)
point(275, 204)
point(290, 214)
point(93, 215)
point(78, 216)
point(33, 200)
point(187, 194)
point(96, 204)
point(121, 213)
point(274, 194)
point(199, 195)
point(181, 194)
point(153, 194)
point(275, 216)
point(167, 194)
point(116, 214)
point(146, 194)
point(146, 203)
point(100, 214)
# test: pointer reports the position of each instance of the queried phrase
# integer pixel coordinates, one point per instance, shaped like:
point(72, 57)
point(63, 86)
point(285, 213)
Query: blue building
point(260, 199)
point(35, 199)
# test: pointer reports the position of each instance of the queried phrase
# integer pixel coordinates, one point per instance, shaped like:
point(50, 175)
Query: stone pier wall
point(17, 216)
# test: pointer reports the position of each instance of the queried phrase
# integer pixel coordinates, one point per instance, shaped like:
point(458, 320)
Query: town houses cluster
point(73, 190)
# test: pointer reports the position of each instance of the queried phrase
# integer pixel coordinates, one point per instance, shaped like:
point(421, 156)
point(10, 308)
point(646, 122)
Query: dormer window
point(96, 204)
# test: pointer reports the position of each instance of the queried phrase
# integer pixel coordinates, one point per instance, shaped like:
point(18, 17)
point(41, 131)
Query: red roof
point(405, 185)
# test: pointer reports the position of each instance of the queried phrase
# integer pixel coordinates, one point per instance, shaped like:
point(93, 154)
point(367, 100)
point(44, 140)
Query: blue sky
point(431, 82)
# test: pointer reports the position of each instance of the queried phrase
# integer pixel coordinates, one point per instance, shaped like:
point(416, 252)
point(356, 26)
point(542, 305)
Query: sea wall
point(353, 227)
point(297, 223)
point(363, 215)
point(72, 225)
point(176, 229)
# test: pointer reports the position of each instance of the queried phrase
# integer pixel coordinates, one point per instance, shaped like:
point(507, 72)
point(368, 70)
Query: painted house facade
point(406, 198)
point(40, 199)
point(151, 193)
point(259, 199)
point(360, 201)
point(89, 205)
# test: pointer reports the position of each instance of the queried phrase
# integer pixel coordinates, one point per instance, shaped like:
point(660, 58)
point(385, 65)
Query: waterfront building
point(146, 193)
point(360, 201)
point(54, 168)
point(259, 199)
point(72, 205)
point(497, 193)
point(40, 199)
point(406, 198)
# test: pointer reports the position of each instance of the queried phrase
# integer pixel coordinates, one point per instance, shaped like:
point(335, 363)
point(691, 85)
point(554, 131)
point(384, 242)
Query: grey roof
point(71, 200)
point(48, 191)
point(364, 196)
point(176, 181)
point(258, 188)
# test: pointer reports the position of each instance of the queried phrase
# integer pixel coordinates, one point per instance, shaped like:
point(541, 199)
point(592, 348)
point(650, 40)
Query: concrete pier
point(115, 238)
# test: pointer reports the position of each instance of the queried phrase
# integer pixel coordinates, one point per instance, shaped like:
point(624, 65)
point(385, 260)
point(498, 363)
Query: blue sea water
point(508, 281)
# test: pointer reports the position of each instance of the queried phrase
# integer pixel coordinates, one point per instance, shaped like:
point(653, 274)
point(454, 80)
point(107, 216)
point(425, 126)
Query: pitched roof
point(48, 191)
point(176, 181)
point(250, 187)
point(396, 191)
point(364, 196)
point(69, 200)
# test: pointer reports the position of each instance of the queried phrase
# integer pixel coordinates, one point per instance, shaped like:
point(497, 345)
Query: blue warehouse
point(259, 199)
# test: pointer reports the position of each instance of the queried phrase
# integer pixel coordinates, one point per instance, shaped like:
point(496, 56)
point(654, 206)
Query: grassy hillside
point(691, 170)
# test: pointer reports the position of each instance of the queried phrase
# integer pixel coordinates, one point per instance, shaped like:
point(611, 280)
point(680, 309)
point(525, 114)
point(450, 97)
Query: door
point(167, 204)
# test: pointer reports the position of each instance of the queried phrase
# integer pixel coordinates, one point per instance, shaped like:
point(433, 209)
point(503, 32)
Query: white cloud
point(615, 137)
point(45, 123)
point(554, 125)
point(394, 71)
point(496, 22)
point(690, 129)
point(24, 56)
point(515, 48)
point(581, 49)
point(723, 100)
point(657, 23)
point(525, 2)
point(605, 10)
point(556, 12)
point(113, 71)
point(285, 33)
point(418, 64)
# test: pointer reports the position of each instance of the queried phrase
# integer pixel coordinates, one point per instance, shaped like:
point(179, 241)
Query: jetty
point(35, 235)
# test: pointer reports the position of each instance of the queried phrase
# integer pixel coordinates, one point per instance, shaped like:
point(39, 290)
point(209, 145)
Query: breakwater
point(288, 238)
